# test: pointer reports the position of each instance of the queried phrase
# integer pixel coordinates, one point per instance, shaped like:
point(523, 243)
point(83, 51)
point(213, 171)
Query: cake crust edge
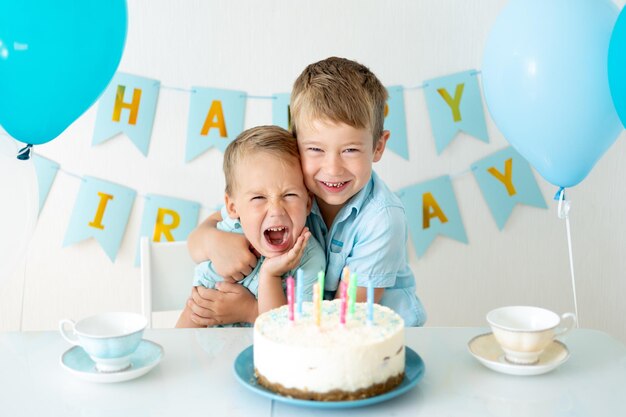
point(334, 395)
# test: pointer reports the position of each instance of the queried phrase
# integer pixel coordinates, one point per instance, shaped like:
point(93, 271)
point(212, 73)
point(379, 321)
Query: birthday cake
point(316, 357)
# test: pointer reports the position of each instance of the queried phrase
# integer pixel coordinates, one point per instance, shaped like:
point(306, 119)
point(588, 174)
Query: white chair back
point(166, 276)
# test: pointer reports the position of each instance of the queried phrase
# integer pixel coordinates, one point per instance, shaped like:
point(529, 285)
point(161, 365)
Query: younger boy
point(337, 116)
point(267, 201)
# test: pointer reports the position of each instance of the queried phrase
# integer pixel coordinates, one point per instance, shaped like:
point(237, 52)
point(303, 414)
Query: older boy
point(267, 201)
point(337, 108)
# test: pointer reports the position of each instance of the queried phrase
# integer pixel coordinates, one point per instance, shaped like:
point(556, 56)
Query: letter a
point(507, 178)
point(166, 229)
point(133, 106)
point(431, 209)
point(102, 205)
point(455, 103)
point(215, 112)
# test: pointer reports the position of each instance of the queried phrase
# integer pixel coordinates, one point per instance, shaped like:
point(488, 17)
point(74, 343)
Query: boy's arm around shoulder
point(229, 252)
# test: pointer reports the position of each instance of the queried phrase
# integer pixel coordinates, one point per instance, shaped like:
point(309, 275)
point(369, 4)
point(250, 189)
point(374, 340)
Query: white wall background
point(260, 47)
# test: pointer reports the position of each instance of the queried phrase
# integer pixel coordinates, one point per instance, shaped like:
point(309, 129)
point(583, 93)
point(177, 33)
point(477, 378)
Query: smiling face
point(337, 161)
point(270, 200)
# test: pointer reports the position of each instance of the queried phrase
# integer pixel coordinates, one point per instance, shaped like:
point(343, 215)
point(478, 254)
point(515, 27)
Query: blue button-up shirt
point(369, 235)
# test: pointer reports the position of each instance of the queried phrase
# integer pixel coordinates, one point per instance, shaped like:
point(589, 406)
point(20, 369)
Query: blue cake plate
point(244, 371)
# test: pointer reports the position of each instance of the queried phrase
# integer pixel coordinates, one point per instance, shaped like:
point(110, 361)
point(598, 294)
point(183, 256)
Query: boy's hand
point(279, 265)
point(231, 303)
point(233, 257)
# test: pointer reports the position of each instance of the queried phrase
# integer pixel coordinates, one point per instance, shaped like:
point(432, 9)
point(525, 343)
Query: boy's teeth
point(334, 184)
point(276, 229)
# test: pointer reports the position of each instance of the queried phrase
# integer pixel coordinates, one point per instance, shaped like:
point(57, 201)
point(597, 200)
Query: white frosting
point(331, 356)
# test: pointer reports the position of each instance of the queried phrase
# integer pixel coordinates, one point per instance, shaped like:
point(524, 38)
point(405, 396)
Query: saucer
point(487, 351)
point(146, 357)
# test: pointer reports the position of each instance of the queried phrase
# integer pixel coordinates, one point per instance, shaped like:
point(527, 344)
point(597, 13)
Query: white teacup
point(524, 332)
point(108, 338)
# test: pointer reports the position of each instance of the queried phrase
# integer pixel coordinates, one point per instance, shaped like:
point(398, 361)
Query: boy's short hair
point(273, 140)
point(339, 90)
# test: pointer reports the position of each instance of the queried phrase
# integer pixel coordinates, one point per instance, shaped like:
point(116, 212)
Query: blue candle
point(370, 303)
point(299, 288)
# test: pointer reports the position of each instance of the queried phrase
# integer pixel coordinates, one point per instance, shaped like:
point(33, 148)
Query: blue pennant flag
point(506, 179)
point(167, 219)
point(101, 211)
point(127, 106)
point(215, 119)
point(46, 173)
point(432, 209)
point(454, 104)
point(281, 115)
point(395, 122)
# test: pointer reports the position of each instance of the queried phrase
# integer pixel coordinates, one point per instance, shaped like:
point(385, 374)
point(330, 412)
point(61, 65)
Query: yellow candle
point(346, 274)
point(316, 303)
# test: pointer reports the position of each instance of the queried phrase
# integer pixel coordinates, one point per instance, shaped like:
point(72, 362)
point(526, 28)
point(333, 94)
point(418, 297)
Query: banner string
point(144, 196)
point(273, 97)
point(563, 213)
point(218, 207)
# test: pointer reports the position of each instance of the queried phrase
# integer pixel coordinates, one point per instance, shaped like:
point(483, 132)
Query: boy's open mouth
point(276, 235)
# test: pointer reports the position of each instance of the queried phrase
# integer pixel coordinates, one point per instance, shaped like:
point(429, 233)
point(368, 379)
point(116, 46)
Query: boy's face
point(271, 202)
point(337, 159)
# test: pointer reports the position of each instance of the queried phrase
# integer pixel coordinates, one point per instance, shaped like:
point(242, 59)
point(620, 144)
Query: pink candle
point(290, 297)
point(343, 291)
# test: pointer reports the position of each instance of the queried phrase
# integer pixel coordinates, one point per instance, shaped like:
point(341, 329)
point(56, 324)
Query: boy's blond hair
point(339, 90)
point(273, 140)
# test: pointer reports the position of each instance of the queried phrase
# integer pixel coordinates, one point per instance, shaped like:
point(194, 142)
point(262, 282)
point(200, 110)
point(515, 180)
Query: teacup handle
point(568, 321)
point(72, 339)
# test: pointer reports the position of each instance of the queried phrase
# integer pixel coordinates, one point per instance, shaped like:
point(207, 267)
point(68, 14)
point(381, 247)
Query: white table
point(196, 378)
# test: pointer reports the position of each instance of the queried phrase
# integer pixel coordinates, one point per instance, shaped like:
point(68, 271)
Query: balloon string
point(24, 153)
point(563, 213)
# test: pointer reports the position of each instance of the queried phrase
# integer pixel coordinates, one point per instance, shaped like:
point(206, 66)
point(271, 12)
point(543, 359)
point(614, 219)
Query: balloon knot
point(558, 194)
point(24, 153)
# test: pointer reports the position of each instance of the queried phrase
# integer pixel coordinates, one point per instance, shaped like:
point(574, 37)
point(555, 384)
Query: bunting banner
point(506, 179)
point(167, 219)
point(281, 115)
point(215, 119)
point(431, 210)
point(101, 211)
point(395, 122)
point(455, 104)
point(128, 106)
point(46, 171)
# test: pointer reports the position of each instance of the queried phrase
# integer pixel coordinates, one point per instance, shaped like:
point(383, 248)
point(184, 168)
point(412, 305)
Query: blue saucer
point(146, 357)
point(244, 371)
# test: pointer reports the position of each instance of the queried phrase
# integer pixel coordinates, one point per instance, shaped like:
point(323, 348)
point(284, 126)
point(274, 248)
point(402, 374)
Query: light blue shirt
point(369, 235)
point(312, 261)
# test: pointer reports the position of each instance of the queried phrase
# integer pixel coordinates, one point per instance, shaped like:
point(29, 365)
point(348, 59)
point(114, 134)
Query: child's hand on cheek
point(279, 265)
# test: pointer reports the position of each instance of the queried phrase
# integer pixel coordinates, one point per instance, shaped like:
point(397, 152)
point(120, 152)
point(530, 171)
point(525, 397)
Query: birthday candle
point(320, 281)
point(290, 296)
point(299, 288)
point(316, 303)
point(352, 294)
point(343, 289)
point(346, 274)
point(370, 303)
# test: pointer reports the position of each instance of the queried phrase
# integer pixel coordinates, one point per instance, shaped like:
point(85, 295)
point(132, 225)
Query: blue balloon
point(56, 58)
point(546, 84)
point(617, 66)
